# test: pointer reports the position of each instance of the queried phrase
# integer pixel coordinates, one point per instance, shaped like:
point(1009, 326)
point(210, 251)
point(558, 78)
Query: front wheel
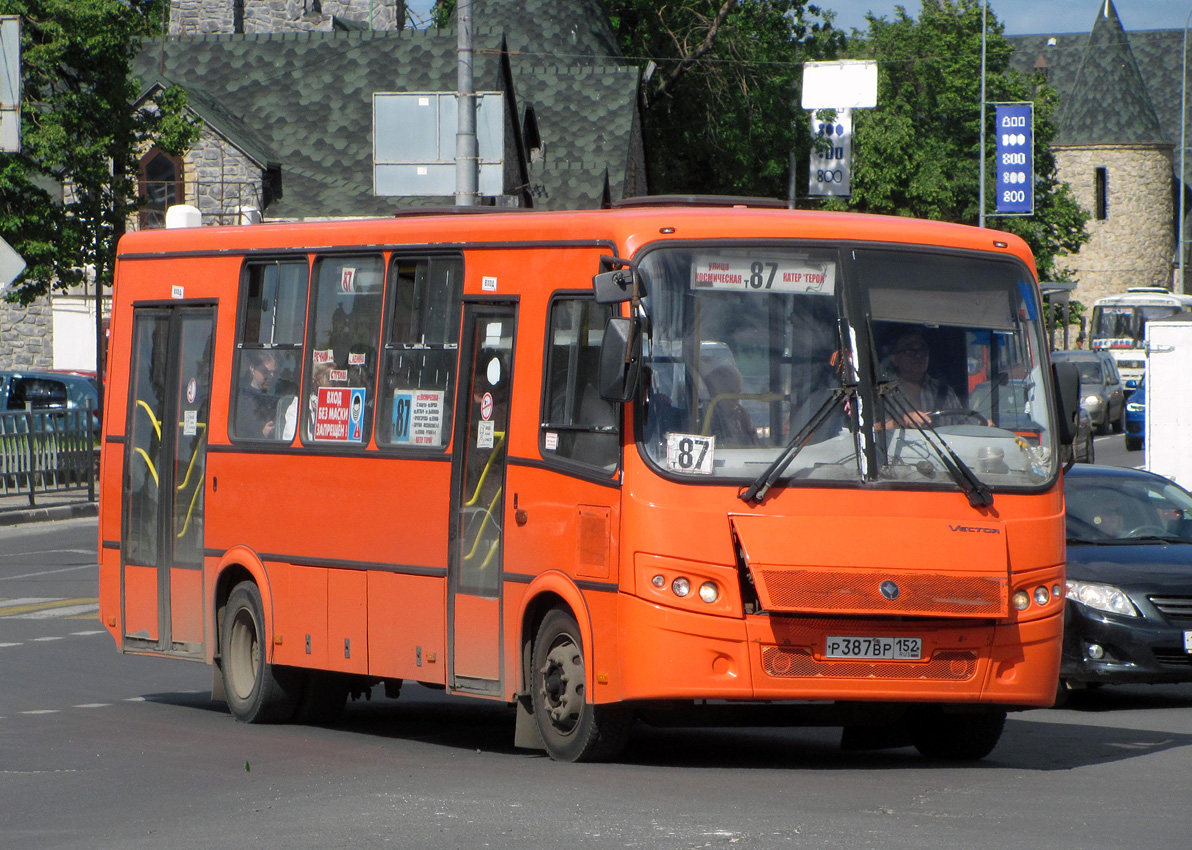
point(571, 726)
point(955, 737)
point(257, 691)
point(1133, 444)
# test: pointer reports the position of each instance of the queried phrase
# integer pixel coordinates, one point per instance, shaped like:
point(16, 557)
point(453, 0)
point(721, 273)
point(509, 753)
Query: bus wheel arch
point(256, 690)
point(569, 724)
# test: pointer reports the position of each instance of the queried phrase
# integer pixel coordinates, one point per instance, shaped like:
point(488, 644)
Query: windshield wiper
point(979, 495)
point(756, 491)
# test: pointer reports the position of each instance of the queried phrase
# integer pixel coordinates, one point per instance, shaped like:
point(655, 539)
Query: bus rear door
point(164, 479)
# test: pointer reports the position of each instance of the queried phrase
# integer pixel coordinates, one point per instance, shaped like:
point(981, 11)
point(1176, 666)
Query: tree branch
point(698, 53)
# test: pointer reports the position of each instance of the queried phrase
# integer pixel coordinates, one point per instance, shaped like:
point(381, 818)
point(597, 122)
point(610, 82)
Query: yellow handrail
point(480, 531)
point(152, 417)
point(148, 462)
point(487, 466)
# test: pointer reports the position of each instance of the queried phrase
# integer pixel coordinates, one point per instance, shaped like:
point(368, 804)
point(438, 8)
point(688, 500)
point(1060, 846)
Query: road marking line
point(59, 611)
point(94, 705)
point(27, 600)
point(39, 609)
point(42, 711)
point(46, 639)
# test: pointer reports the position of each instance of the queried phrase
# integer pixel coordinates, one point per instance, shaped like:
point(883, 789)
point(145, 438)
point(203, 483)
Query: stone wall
point(195, 17)
point(220, 180)
point(26, 335)
point(1135, 244)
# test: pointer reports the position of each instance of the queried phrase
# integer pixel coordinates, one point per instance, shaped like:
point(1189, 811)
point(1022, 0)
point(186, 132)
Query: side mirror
point(613, 287)
point(620, 359)
point(1067, 399)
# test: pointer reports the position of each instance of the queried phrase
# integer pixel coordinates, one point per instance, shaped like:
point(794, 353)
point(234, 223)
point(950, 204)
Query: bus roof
point(1142, 296)
point(627, 229)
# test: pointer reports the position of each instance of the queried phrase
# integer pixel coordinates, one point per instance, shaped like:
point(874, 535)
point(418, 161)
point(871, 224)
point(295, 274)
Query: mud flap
point(525, 734)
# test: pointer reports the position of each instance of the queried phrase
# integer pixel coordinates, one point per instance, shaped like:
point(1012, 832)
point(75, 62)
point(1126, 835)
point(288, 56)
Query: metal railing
point(47, 450)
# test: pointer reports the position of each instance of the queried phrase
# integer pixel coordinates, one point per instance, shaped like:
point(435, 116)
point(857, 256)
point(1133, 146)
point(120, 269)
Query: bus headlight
point(681, 586)
point(709, 592)
point(1021, 600)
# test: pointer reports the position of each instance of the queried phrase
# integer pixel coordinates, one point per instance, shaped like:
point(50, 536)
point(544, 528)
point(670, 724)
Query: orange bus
point(666, 462)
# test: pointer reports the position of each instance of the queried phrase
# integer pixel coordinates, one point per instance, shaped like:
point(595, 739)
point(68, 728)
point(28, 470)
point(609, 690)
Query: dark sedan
point(1129, 616)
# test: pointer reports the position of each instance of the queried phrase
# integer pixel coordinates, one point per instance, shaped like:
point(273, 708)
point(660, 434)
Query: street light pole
point(981, 175)
point(1183, 151)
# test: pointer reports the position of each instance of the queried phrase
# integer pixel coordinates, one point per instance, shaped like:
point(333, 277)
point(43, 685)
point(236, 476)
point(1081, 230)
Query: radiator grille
point(1173, 607)
point(798, 663)
point(1172, 656)
point(923, 594)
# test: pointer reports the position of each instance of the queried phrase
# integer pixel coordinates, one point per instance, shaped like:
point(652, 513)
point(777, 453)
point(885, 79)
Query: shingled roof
point(303, 100)
point(1115, 87)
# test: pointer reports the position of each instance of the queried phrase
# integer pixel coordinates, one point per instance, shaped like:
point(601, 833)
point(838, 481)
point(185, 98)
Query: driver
point(922, 391)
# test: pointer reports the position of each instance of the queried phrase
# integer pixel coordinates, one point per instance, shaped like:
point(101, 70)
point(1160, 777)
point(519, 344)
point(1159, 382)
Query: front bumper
point(669, 654)
point(1135, 649)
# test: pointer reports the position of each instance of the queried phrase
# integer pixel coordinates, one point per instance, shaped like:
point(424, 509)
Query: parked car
point(1129, 584)
point(28, 389)
point(1101, 390)
point(1136, 417)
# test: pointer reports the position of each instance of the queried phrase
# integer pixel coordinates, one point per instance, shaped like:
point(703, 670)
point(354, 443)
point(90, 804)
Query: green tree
point(65, 198)
point(721, 112)
point(917, 152)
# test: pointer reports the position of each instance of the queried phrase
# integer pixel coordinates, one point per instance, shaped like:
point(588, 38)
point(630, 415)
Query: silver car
point(1101, 391)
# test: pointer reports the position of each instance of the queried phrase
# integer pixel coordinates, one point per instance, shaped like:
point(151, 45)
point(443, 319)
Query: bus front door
point(478, 498)
point(164, 478)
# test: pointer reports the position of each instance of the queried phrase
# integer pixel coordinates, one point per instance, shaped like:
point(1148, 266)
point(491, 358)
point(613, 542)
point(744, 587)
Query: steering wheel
point(1146, 531)
point(977, 418)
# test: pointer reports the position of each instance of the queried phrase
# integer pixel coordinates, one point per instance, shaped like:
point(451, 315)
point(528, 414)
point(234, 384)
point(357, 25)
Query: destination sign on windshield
point(763, 274)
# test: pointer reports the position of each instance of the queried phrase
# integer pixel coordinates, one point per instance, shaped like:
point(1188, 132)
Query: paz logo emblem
point(889, 590)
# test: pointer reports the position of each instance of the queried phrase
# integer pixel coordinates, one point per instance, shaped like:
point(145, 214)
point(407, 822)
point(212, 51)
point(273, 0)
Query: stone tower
point(1111, 150)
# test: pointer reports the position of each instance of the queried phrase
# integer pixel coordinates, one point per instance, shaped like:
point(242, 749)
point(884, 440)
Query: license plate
point(1188, 642)
point(881, 648)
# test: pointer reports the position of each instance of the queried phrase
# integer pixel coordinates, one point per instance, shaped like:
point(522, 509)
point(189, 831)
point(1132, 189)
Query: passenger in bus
point(256, 404)
point(909, 361)
point(730, 421)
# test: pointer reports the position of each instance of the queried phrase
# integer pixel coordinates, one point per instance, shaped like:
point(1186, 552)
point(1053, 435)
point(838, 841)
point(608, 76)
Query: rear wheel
point(1133, 444)
point(572, 728)
point(257, 691)
point(955, 737)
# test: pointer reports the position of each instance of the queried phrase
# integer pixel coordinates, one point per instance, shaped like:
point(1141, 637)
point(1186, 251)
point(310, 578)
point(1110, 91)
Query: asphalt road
point(106, 752)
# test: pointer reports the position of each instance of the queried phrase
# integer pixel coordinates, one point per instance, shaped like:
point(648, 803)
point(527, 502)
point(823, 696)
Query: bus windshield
point(1124, 325)
point(849, 364)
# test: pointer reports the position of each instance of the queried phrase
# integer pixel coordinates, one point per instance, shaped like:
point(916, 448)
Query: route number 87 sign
point(690, 453)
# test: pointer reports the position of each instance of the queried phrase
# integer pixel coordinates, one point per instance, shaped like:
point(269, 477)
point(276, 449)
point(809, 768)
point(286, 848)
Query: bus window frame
point(239, 347)
point(566, 463)
point(305, 417)
point(387, 345)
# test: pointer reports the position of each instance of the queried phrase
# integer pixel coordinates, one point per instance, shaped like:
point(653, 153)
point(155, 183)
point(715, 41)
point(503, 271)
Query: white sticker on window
point(690, 453)
point(763, 274)
point(190, 423)
point(485, 431)
point(551, 441)
point(488, 284)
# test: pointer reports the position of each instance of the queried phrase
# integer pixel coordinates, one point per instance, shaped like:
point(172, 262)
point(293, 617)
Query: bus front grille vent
point(837, 591)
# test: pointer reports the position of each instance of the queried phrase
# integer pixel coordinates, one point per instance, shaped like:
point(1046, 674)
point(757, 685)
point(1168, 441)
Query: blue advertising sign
point(1014, 168)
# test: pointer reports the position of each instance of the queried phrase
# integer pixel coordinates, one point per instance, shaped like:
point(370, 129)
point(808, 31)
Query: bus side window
point(576, 422)
point(269, 350)
point(421, 347)
point(345, 329)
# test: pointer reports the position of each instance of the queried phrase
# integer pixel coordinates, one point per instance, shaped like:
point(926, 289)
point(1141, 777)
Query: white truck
point(1168, 443)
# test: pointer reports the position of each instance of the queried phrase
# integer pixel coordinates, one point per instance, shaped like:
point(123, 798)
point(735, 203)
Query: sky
point(1020, 17)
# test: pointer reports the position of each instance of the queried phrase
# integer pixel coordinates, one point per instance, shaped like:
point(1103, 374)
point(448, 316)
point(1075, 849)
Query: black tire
point(955, 737)
point(1090, 451)
point(257, 691)
point(572, 728)
point(1133, 444)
